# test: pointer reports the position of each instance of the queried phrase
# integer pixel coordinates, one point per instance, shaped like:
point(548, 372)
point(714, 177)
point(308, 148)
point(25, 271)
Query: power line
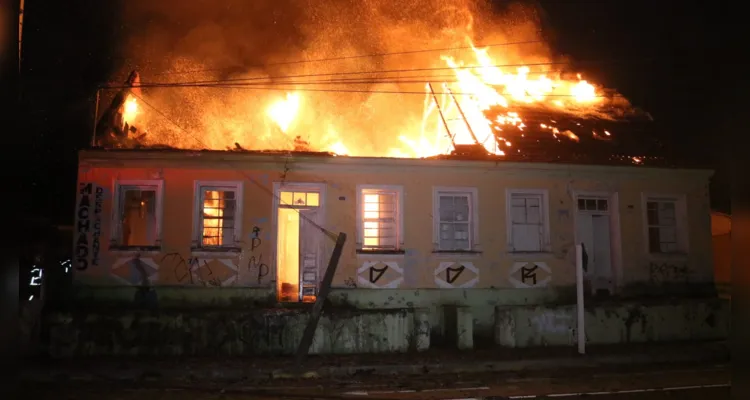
point(353, 57)
point(248, 177)
point(277, 87)
point(259, 78)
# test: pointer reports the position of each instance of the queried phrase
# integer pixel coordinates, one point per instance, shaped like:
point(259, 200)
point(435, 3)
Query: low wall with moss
point(684, 320)
point(263, 331)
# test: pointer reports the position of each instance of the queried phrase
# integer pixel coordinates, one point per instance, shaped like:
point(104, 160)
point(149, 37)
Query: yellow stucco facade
point(171, 254)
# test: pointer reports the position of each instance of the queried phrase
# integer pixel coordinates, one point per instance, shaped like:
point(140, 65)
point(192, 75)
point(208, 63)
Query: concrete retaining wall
point(235, 333)
point(530, 326)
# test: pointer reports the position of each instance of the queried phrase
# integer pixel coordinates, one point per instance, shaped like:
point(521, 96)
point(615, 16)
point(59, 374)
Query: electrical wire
point(279, 88)
point(355, 57)
point(344, 73)
point(328, 233)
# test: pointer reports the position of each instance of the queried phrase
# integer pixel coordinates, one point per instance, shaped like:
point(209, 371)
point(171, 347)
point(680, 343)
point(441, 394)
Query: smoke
point(209, 40)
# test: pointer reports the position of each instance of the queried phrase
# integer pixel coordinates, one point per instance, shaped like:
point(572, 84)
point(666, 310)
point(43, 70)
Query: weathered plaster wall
point(416, 278)
point(211, 333)
point(532, 326)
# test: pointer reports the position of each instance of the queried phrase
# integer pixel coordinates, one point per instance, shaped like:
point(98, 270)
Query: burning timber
point(464, 130)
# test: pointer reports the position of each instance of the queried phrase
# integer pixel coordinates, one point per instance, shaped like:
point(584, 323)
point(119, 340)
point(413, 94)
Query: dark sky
point(672, 61)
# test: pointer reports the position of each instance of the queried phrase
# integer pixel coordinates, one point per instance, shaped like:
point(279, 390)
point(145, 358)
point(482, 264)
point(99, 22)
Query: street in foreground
point(646, 383)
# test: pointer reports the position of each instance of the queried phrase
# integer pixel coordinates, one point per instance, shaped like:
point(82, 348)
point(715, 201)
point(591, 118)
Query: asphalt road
point(645, 383)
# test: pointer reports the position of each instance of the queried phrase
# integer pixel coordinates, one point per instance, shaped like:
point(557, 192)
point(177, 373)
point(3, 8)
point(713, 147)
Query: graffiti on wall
point(201, 271)
point(666, 272)
point(255, 263)
point(88, 227)
point(453, 275)
point(379, 275)
point(557, 322)
point(524, 275)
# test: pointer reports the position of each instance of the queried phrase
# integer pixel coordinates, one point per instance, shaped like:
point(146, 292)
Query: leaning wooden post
point(325, 288)
point(581, 313)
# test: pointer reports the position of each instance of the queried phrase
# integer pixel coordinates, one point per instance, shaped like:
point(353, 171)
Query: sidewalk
point(433, 362)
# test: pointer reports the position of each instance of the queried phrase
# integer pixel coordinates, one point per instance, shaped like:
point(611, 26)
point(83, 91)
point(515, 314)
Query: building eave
point(201, 159)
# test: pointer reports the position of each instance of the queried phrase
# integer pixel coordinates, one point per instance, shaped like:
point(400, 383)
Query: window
point(455, 219)
point(138, 214)
point(299, 199)
point(380, 224)
point(663, 225)
point(218, 209)
point(593, 204)
point(528, 222)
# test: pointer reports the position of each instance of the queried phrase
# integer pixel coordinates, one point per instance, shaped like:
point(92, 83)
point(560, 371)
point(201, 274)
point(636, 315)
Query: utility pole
point(20, 33)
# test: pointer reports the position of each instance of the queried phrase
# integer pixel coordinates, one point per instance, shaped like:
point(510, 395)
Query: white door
point(602, 254)
point(593, 230)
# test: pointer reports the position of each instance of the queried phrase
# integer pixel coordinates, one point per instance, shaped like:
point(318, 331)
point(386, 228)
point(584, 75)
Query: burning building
point(461, 216)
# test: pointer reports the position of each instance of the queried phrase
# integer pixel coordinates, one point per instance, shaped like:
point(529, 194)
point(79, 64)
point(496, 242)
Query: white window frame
point(198, 189)
point(399, 190)
point(681, 219)
point(473, 194)
point(116, 228)
point(546, 246)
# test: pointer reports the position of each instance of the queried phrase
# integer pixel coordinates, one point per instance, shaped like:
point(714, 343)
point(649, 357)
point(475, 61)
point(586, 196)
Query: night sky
point(672, 62)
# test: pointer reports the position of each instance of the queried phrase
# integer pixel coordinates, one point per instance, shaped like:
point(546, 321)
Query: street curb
point(581, 362)
point(186, 373)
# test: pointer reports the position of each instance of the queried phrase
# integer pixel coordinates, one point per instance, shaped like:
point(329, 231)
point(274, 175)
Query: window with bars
point(380, 219)
point(527, 222)
point(455, 223)
point(138, 221)
point(218, 215)
point(661, 216)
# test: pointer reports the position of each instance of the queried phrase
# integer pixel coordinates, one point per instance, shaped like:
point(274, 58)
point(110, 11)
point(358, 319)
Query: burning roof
point(508, 99)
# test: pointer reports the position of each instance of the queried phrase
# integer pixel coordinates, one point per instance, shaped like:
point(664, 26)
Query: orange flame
point(283, 112)
point(454, 114)
point(213, 222)
point(130, 110)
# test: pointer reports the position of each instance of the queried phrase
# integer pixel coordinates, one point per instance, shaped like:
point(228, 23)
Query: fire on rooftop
point(505, 99)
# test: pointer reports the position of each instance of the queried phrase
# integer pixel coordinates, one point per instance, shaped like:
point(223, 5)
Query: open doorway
point(298, 252)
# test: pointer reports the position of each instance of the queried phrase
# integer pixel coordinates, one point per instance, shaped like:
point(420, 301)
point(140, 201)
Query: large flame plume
point(493, 79)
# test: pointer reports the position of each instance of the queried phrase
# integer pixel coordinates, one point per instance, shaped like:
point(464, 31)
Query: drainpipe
point(581, 326)
point(96, 117)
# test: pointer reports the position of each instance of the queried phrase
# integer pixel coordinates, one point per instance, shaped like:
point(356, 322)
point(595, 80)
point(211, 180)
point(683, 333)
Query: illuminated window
point(218, 214)
point(455, 219)
point(380, 223)
point(138, 205)
point(666, 233)
point(299, 199)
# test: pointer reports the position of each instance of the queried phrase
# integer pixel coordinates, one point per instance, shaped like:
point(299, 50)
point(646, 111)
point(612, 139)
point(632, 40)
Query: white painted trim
point(116, 224)
point(591, 194)
point(400, 207)
point(615, 237)
point(473, 194)
point(279, 187)
point(198, 186)
point(547, 245)
point(681, 216)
